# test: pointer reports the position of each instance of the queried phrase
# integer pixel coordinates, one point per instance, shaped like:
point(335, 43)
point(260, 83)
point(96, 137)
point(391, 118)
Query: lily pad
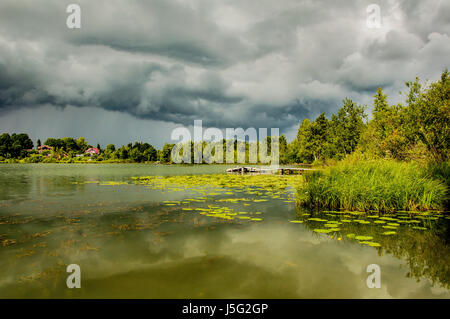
point(371, 243)
point(363, 237)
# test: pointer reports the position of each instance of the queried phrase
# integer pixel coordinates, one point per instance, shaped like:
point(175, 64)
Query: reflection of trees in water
point(19, 185)
point(14, 186)
point(426, 252)
point(48, 185)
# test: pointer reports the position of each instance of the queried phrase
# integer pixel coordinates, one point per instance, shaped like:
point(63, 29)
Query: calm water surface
point(136, 240)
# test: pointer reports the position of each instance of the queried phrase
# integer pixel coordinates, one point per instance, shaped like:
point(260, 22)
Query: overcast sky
point(137, 69)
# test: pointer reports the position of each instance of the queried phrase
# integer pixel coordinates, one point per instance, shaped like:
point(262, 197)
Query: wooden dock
point(268, 170)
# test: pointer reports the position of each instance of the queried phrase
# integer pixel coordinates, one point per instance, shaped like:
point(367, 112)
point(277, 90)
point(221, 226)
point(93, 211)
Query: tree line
point(20, 146)
point(417, 129)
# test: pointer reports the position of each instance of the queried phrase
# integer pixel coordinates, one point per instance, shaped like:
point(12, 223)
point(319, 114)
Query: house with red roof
point(93, 150)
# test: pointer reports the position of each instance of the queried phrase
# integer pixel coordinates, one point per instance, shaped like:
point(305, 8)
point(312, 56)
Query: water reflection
point(16, 183)
point(255, 261)
point(130, 245)
point(426, 252)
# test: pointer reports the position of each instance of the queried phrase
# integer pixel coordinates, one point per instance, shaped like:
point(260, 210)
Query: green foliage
point(54, 142)
point(15, 146)
point(441, 172)
point(283, 149)
point(70, 150)
point(110, 148)
point(418, 130)
point(66, 144)
point(385, 135)
point(323, 139)
point(34, 158)
point(428, 117)
point(347, 127)
point(373, 185)
point(318, 137)
point(82, 144)
point(302, 148)
point(165, 153)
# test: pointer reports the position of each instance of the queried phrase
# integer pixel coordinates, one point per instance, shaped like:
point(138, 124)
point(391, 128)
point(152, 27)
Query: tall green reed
point(373, 185)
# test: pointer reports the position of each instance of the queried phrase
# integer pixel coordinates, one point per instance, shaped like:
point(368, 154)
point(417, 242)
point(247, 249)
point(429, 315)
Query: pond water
point(195, 232)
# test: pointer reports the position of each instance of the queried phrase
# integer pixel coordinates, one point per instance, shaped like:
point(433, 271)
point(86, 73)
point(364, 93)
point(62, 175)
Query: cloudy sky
point(137, 69)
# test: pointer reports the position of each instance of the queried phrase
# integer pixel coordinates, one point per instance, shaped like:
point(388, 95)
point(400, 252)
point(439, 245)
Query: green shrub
point(49, 160)
point(33, 158)
point(373, 185)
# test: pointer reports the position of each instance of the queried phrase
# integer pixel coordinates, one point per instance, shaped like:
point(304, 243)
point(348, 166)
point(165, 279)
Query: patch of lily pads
point(234, 191)
point(381, 226)
point(228, 194)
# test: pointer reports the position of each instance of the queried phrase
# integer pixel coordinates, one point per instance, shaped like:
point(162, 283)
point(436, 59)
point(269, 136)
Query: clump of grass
point(441, 172)
point(376, 185)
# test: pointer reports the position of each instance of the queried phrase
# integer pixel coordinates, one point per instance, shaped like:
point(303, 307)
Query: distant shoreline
point(156, 163)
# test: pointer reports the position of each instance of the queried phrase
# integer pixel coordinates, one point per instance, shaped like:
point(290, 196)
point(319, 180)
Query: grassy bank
point(71, 161)
point(376, 185)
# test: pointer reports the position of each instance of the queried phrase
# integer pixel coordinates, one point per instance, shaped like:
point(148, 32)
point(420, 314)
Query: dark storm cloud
point(423, 17)
point(230, 63)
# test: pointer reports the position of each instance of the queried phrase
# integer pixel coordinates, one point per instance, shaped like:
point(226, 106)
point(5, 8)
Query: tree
point(385, 135)
point(283, 149)
point(319, 137)
point(82, 144)
point(348, 125)
point(5, 145)
point(303, 146)
point(123, 153)
point(150, 153)
point(69, 144)
point(415, 91)
point(380, 112)
point(429, 116)
point(20, 144)
point(311, 143)
point(110, 148)
point(165, 155)
point(56, 143)
point(135, 155)
point(15, 146)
